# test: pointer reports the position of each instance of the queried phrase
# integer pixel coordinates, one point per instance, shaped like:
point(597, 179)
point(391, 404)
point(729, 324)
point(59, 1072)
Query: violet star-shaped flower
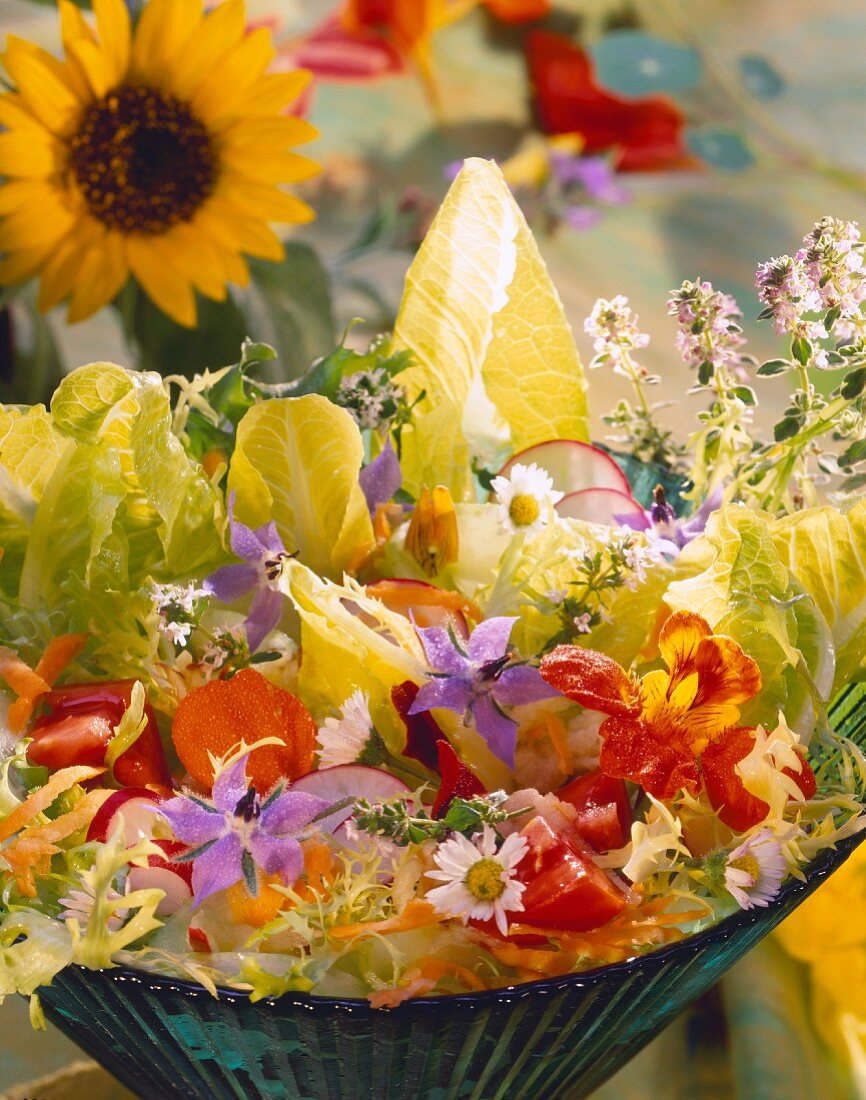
point(234, 832)
point(262, 551)
point(479, 681)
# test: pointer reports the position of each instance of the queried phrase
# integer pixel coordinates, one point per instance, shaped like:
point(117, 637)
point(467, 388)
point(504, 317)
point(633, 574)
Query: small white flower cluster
point(613, 327)
point(177, 607)
point(526, 498)
point(370, 397)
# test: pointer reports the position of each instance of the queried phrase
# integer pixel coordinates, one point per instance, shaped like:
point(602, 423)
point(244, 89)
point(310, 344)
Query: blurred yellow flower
point(157, 152)
point(828, 933)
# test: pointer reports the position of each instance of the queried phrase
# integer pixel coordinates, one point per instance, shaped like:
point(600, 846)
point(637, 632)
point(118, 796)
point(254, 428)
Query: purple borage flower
point(263, 552)
point(234, 832)
point(479, 681)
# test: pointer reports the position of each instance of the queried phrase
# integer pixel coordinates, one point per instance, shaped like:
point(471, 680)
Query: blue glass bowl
point(543, 1040)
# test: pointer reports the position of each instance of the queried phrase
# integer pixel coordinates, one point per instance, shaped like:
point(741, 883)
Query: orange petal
point(633, 749)
point(592, 679)
point(218, 715)
point(726, 674)
point(679, 639)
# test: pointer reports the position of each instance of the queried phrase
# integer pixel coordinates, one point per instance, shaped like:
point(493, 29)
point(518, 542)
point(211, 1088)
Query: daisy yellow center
point(748, 864)
point(142, 160)
point(484, 880)
point(523, 510)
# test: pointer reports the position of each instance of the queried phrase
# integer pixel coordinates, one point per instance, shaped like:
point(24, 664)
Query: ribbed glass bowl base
point(550, 1040)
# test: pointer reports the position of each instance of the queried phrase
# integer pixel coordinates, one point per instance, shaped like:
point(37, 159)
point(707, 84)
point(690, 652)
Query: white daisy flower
point(525, 498)
point(479, 880)
point(79, 905)
point(754, 870)
point(343, 740)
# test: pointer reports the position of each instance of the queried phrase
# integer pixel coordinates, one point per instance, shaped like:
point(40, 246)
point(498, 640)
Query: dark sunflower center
point(142, 160)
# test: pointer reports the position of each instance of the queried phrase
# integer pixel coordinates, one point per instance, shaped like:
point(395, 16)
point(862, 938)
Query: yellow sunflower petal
point(95, 65)
point(216, 97)
point(679, 639)
point(112, 22)
point(23, 265)
point(103, 272)
point(16, 115)
point(163, 31)
point(279, 133)
point(41, 221)
point(61, 269)
point(267, 203)
point(188, 254)
point(273, 92)
point(24, 157)
point(18, 193)
point(40, 82)
point(73, 25)
point(164, 286)
point(270, 166)
point(235, 266)
point(221, 29)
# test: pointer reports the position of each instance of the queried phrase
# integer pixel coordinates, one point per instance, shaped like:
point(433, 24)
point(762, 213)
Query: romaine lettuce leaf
point(747, 592)
point(296, 462)
point(825, 549)
point(124, 500)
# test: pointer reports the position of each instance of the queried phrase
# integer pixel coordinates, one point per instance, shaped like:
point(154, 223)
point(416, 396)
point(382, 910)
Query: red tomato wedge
point(80, 723)
point(603, 810)
point(736, 807)
point(564, 888)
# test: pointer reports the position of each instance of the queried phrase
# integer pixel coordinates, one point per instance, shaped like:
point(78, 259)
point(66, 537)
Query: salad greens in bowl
point(381, 716)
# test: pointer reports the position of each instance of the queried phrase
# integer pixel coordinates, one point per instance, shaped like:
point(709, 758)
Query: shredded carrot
point(32, 851)
point(58, 653)
point(42, 798)
point(423, 979)
point(31, 683)
point(20, 676)
point(431, 967)
point(538, 960)
point(417, 914)
point(394, 997)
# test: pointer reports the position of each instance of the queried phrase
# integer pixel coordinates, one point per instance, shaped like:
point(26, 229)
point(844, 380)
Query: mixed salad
point(388, 682)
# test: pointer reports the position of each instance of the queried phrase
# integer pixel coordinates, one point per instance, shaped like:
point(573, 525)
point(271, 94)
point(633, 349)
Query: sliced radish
point(174, 879)
point(572, 466)
point(135, 806)
point(349, 781)
point(608, 506)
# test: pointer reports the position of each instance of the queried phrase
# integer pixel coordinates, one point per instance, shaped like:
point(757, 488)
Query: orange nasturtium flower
point(661, 724)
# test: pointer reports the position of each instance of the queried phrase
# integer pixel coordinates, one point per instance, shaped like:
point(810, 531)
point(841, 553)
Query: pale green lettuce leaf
point(124, 500)
point(27, 963)
point(826, 551)
point(747, 592)
point(296, 462)
point(479, 313)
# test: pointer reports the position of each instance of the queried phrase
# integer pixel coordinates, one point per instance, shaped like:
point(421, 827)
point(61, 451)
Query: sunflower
point(155, 152)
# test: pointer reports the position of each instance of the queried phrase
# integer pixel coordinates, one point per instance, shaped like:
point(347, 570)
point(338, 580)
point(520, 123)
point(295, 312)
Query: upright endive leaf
point(481, 317)
point(296, 462)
